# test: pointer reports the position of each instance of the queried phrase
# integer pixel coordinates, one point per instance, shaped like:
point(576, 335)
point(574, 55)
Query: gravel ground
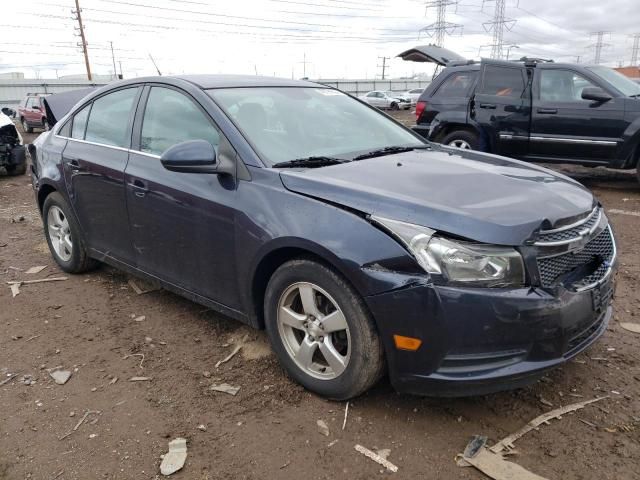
point(91, 325)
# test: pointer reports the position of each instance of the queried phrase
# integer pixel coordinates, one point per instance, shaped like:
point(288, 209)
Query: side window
point(80, 123)
point(65, 130)
point(171, 117)
point(562, 86)
point(503, 81)
point(456, 85)
point(31, 102)
point(109, 120)
point(371, 94)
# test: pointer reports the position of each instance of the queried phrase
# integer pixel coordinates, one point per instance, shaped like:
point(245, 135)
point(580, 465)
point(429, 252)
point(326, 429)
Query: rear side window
point(456, 85)
point(503, 81)
point(80, 123)
point(170, 117)
point(109, 120)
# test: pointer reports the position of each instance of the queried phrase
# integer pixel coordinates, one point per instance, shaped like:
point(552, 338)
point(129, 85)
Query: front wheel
point(394, 106)
point(321, 330)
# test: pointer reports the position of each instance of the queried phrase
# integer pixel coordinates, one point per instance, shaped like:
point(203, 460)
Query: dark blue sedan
point(360, 247)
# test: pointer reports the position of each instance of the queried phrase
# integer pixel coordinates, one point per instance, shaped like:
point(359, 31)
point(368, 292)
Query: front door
point(182, 224)
point(566, 127)
point(94, 161)
point(501, 108)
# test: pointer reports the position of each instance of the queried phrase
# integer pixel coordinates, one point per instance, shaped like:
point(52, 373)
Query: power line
point(497, 26)
point(441, 27)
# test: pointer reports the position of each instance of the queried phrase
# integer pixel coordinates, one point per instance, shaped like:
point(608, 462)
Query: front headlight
point(458, 262)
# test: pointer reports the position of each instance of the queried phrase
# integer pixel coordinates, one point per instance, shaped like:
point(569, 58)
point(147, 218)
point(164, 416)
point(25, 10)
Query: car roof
point(227, 81)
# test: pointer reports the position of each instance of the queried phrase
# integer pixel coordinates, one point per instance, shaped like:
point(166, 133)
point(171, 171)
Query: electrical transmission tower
point(635, 49)
point(497, 26)
point(80, 29)
point(441, 27)
point(599, 45)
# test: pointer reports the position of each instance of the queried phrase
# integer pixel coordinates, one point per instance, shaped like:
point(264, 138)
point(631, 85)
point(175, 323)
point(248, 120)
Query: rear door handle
point(548, 111)
point(490, 106)
point(139, 188)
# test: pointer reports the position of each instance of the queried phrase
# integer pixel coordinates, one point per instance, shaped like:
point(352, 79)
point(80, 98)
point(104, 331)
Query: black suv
point(535, 110)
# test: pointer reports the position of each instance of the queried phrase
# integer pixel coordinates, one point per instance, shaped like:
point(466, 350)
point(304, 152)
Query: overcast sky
point(322, 38)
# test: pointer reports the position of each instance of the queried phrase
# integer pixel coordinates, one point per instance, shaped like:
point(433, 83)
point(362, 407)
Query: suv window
point(109, 119)
point(31, 102)
point(503, 81)
point(562, 86)
point(170, 117)
point(456, 84)
point(80, 123)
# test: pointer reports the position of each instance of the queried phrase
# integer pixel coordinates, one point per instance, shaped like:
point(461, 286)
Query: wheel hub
point(314, 329)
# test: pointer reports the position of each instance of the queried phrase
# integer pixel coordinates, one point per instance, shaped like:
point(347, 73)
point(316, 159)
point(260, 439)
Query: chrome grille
point(600, 248)
point(571, 232)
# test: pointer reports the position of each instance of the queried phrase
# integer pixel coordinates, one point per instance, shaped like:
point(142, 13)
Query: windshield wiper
point(310, 162)
point(389, 151)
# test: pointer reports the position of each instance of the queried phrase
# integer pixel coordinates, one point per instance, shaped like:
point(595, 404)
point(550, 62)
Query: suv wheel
point(45, 125)
point(321, 331)
point(463, 139)
point(64, 237)
point(25, 126)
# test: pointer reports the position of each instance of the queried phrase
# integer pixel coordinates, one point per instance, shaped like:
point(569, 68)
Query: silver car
point(386, 100)
point(413, 95)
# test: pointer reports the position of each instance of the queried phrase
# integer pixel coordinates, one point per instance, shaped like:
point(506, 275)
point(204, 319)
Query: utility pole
point(635, 49)
point(440, 27)
point(497, 26)
point(599, 45)
point(578, 58)
point(384, 66)
point(113, 59)
point(78, 17)
point(154, 64)
point(120, 63)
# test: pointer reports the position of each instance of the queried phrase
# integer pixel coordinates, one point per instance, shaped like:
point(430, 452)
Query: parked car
point(413, 95)
point(386, 100)
point(12, 152)
point(361, 248)
point(536, 111)
point(32, 114)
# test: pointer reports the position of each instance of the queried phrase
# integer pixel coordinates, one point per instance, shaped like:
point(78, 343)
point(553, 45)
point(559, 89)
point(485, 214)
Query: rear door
point(94, 161)
point(566, 127)
point(501, 107)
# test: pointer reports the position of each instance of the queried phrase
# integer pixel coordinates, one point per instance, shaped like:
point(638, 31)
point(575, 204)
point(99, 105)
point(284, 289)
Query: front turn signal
point(407, 343)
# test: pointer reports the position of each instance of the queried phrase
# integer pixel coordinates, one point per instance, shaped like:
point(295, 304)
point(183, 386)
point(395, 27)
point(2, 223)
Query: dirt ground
point(91, 325)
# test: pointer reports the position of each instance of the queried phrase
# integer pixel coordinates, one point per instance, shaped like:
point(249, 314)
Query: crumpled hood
point(478, 196)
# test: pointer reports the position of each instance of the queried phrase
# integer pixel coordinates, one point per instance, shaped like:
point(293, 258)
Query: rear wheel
point(45, 125)
point(64, 236)
point(394, 106)
point(25, 126)
point(321, 330)
point(463, 139)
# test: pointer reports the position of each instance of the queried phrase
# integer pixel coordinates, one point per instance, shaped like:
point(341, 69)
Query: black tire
point(25, 126)
point(17, 169)
point(467, 136)
point(80, 260)
point(45, 125)
point(366, 360)
point(394, 106)
point(18, 160)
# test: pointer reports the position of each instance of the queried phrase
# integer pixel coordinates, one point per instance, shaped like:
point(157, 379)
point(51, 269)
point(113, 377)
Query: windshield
point(287, 123)
point(618, 80)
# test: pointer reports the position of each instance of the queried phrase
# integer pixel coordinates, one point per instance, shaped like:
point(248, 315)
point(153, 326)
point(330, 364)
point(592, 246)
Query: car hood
point(480, 197)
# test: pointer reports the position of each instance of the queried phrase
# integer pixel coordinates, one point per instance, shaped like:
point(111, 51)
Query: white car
point(386, 100)
point(413, 95)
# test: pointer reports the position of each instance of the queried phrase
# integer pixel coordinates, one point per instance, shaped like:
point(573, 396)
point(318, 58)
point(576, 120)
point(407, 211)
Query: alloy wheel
point(458, 143)
point(314, 331)
point(59, 233)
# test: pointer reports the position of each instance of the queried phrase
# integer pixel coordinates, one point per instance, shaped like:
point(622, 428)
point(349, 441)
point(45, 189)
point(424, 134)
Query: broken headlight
point(458, 262)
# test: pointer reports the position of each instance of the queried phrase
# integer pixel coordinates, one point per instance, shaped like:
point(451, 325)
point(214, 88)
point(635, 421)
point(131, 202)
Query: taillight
point(420, 106)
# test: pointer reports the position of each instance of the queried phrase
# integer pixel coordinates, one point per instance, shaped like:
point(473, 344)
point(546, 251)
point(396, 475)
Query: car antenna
point(154, 64)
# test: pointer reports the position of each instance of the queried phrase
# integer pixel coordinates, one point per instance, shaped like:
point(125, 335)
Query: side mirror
point(595, 94)
point(193, 156)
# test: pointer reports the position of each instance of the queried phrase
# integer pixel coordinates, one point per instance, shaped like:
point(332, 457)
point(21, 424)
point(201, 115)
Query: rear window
point(456, 85)
point(503, 81)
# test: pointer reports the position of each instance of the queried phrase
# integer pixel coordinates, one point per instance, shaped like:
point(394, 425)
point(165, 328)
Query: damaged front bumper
point(482, 340)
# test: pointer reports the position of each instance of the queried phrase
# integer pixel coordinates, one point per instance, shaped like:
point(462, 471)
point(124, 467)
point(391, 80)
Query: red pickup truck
point(32, 113)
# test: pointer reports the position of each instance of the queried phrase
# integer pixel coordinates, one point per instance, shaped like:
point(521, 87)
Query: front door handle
point(548, 111)
point(490, 106)
point(139, 188)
